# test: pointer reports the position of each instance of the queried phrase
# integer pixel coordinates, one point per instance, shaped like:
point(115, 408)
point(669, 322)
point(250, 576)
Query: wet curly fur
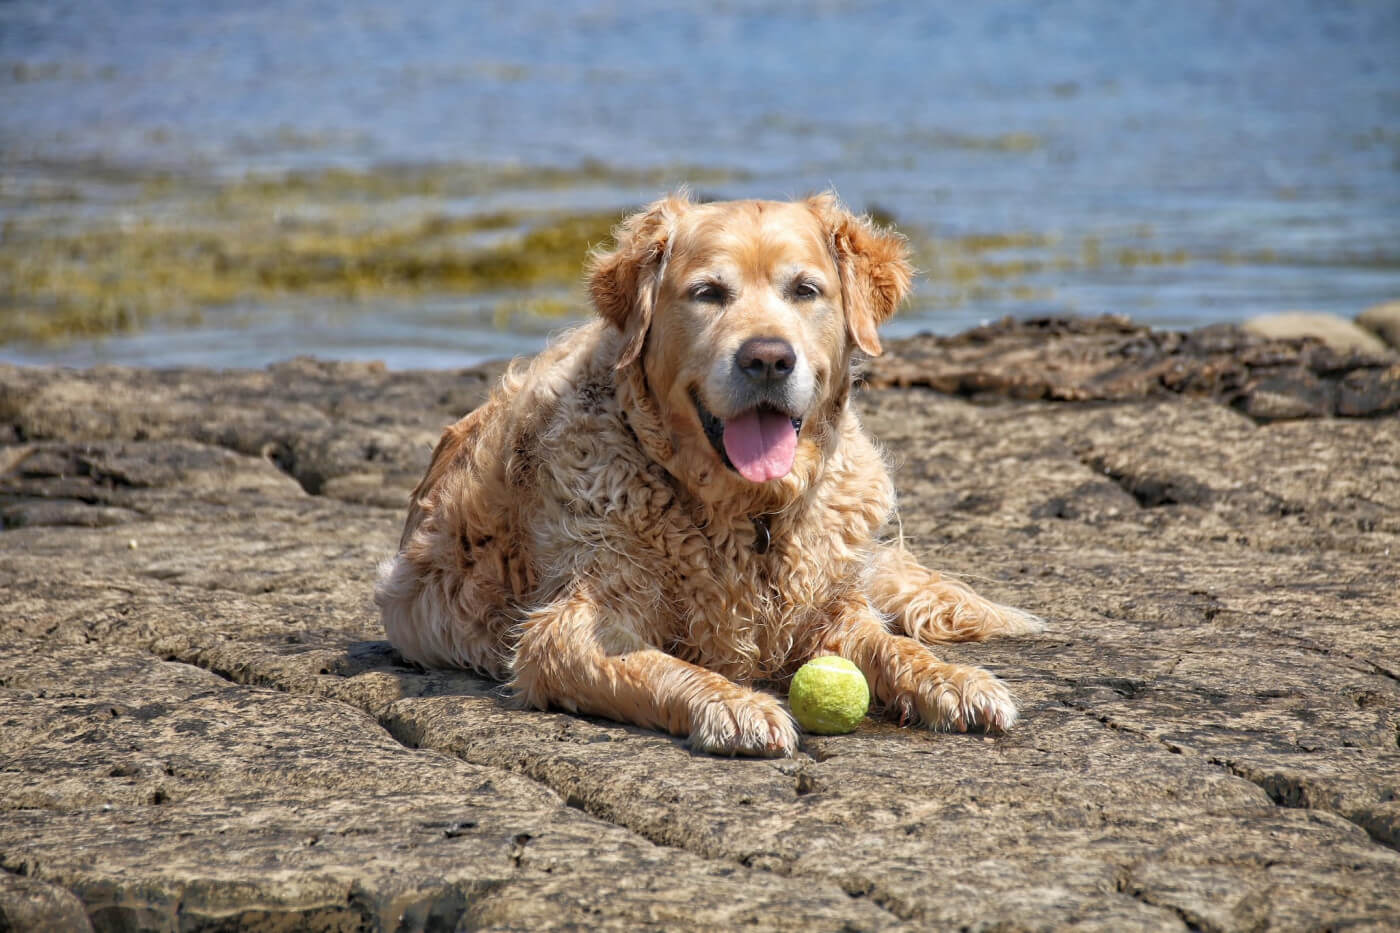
point(580, 536)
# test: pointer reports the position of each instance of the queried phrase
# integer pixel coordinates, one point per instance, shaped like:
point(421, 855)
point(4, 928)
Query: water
point(1180, 163)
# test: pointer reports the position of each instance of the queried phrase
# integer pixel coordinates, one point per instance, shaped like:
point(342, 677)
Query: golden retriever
point(677, 501)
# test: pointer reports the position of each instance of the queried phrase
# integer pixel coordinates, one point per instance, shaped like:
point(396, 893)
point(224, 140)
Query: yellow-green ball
point(829, 696)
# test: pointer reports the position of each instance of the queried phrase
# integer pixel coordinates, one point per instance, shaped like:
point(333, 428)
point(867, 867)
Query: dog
point(676, 502)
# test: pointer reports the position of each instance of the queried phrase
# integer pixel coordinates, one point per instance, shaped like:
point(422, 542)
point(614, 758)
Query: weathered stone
point(214, 804)
point(315, 421)
point(1112, 359)
point(201, 725)
point(29, 906)
point(1333, 330)
point(1383, 320)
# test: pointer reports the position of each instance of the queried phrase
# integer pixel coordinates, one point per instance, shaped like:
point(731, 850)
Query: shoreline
point(138, 265)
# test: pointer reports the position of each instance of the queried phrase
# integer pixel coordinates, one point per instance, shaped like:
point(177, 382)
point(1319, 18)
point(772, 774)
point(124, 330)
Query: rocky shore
point(203, 728)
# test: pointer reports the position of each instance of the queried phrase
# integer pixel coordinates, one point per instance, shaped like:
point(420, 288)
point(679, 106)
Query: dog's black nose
point(766, 359)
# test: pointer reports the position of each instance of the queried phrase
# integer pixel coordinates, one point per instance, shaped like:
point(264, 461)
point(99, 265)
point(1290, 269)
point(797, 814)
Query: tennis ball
point(829, 696)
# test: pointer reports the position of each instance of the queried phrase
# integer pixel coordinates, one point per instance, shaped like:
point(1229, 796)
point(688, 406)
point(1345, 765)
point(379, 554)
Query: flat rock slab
point(202, 727)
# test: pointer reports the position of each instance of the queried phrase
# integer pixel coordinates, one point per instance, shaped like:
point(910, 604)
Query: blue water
point(1260, 139)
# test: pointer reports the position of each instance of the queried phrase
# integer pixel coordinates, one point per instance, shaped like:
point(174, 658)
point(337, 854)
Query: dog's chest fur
point(660, 555)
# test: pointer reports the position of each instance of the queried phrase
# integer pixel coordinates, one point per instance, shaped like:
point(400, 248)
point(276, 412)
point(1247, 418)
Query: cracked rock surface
point(202, 727)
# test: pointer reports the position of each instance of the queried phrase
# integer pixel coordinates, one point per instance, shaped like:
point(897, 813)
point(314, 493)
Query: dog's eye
point(806, 290)
point(709, 292)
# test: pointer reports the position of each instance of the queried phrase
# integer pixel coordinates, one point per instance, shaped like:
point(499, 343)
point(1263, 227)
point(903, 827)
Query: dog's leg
point(577, 654)
point(936, 610)
point(909, 680)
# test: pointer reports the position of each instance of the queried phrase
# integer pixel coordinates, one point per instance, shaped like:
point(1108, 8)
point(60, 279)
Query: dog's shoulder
point(572, 426)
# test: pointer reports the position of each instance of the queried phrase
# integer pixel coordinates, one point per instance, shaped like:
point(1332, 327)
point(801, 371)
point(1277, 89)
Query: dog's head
point(744, 315)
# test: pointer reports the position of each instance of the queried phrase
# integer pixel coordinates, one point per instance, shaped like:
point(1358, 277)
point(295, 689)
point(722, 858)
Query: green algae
point(174, 245)
point(112, 280)
point(459, 181)
point(63, 279)
point(169, 244)
point(347, 236)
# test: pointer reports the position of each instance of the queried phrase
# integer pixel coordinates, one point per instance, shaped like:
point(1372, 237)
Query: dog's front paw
point(959, 698)
point(750, 723)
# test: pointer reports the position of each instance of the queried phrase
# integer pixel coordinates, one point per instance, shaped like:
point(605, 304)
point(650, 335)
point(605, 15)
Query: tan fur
point(579, 536)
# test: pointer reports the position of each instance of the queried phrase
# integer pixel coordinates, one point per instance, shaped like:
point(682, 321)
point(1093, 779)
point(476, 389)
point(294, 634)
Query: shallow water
point(1181, 163)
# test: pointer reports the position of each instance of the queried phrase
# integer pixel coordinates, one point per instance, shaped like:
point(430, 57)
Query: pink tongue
point(761, 445)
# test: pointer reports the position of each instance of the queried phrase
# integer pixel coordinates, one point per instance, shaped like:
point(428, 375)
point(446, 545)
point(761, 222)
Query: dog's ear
point(623, 281)
point(873, 265)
